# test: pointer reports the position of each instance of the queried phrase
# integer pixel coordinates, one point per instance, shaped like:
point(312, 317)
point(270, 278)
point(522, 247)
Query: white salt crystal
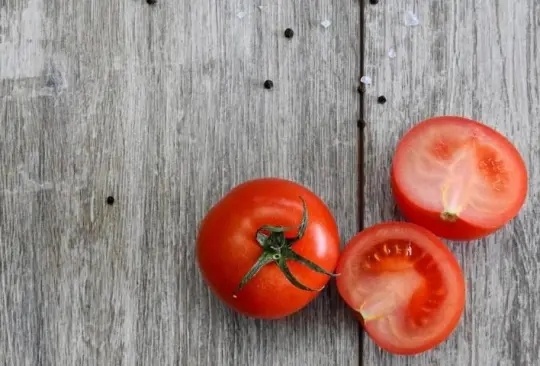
point(411, 19)
point(326, 23)
point(241, 14)
point(260, 7)
point(391, 53)
point(365, 80)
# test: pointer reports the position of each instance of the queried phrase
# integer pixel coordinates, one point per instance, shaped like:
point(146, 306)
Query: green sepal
point(263, 260)
point(277, 248)
point(290, 254)
point(282, 263)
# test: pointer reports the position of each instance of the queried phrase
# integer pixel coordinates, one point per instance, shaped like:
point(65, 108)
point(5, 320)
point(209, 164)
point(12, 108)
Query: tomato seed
point(408, 251)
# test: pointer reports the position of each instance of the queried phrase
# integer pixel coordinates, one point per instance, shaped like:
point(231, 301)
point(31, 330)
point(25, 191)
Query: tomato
point(458, 178)
point(405, 285)
point(268, 247)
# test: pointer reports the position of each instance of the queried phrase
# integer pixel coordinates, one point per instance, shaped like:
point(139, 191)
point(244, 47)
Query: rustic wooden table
point(163, 108)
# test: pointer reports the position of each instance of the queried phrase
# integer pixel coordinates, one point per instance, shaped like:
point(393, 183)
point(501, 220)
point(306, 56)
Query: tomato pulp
point(405, 285)
point(268, 247)
point(458, 178)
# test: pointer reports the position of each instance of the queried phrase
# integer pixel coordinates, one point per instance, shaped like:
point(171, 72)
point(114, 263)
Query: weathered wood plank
point(476, 58)
point(163, 108)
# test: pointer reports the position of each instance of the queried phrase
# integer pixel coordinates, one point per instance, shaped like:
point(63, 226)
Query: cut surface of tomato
point(458, 178)
point(404, 283)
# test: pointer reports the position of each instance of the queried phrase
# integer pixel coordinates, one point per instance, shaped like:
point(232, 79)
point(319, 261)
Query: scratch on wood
point(92, 199)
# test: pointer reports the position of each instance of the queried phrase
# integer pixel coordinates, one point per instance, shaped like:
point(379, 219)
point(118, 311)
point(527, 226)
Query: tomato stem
point(277, 248)
point(449, 216)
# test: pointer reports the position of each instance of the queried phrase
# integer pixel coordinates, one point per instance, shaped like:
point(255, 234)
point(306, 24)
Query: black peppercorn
point(110, 200)
point(361, 123)
point(381, 99)
point(151, 2)
point(374, 1)
point(361, 88)
point(268, 84)
point(289, 33)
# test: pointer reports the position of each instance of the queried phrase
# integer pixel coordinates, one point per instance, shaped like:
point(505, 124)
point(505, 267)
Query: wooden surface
point(163, 108)
point(480, 59)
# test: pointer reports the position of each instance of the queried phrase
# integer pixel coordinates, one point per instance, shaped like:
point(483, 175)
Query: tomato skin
point(226, 248)
point(350, 279)
point(460, 229)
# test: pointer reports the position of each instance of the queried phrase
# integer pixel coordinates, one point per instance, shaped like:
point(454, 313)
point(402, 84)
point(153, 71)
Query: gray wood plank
point(163, 108)
point(480, 59)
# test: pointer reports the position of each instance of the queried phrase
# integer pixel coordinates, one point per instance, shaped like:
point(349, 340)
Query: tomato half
point(458, 178)
point(405, 285)
point(268, 247)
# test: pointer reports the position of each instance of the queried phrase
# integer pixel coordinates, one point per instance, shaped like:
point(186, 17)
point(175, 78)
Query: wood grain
point(163, 108)
point(479, 59)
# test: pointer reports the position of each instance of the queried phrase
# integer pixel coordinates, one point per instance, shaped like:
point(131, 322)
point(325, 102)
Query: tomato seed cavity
point(403, 256)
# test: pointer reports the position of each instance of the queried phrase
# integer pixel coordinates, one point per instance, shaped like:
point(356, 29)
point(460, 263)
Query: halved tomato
point(458, 178)
point(404, 283)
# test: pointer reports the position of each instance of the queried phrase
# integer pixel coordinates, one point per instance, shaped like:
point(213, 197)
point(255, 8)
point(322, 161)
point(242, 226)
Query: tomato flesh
point(405, 284)
point(458, 178)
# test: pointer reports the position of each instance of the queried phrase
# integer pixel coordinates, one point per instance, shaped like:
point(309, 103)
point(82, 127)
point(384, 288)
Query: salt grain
point(411, 19)
point(365, 80)
point(241, 14)
point(326, 23)
point(260, 7)
point(392, 53)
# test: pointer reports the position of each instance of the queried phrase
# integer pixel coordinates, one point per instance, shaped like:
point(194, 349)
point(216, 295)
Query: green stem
point(277, 248)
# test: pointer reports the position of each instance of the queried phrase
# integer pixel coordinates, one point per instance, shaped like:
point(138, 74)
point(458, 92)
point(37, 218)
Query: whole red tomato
point(268, 247)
